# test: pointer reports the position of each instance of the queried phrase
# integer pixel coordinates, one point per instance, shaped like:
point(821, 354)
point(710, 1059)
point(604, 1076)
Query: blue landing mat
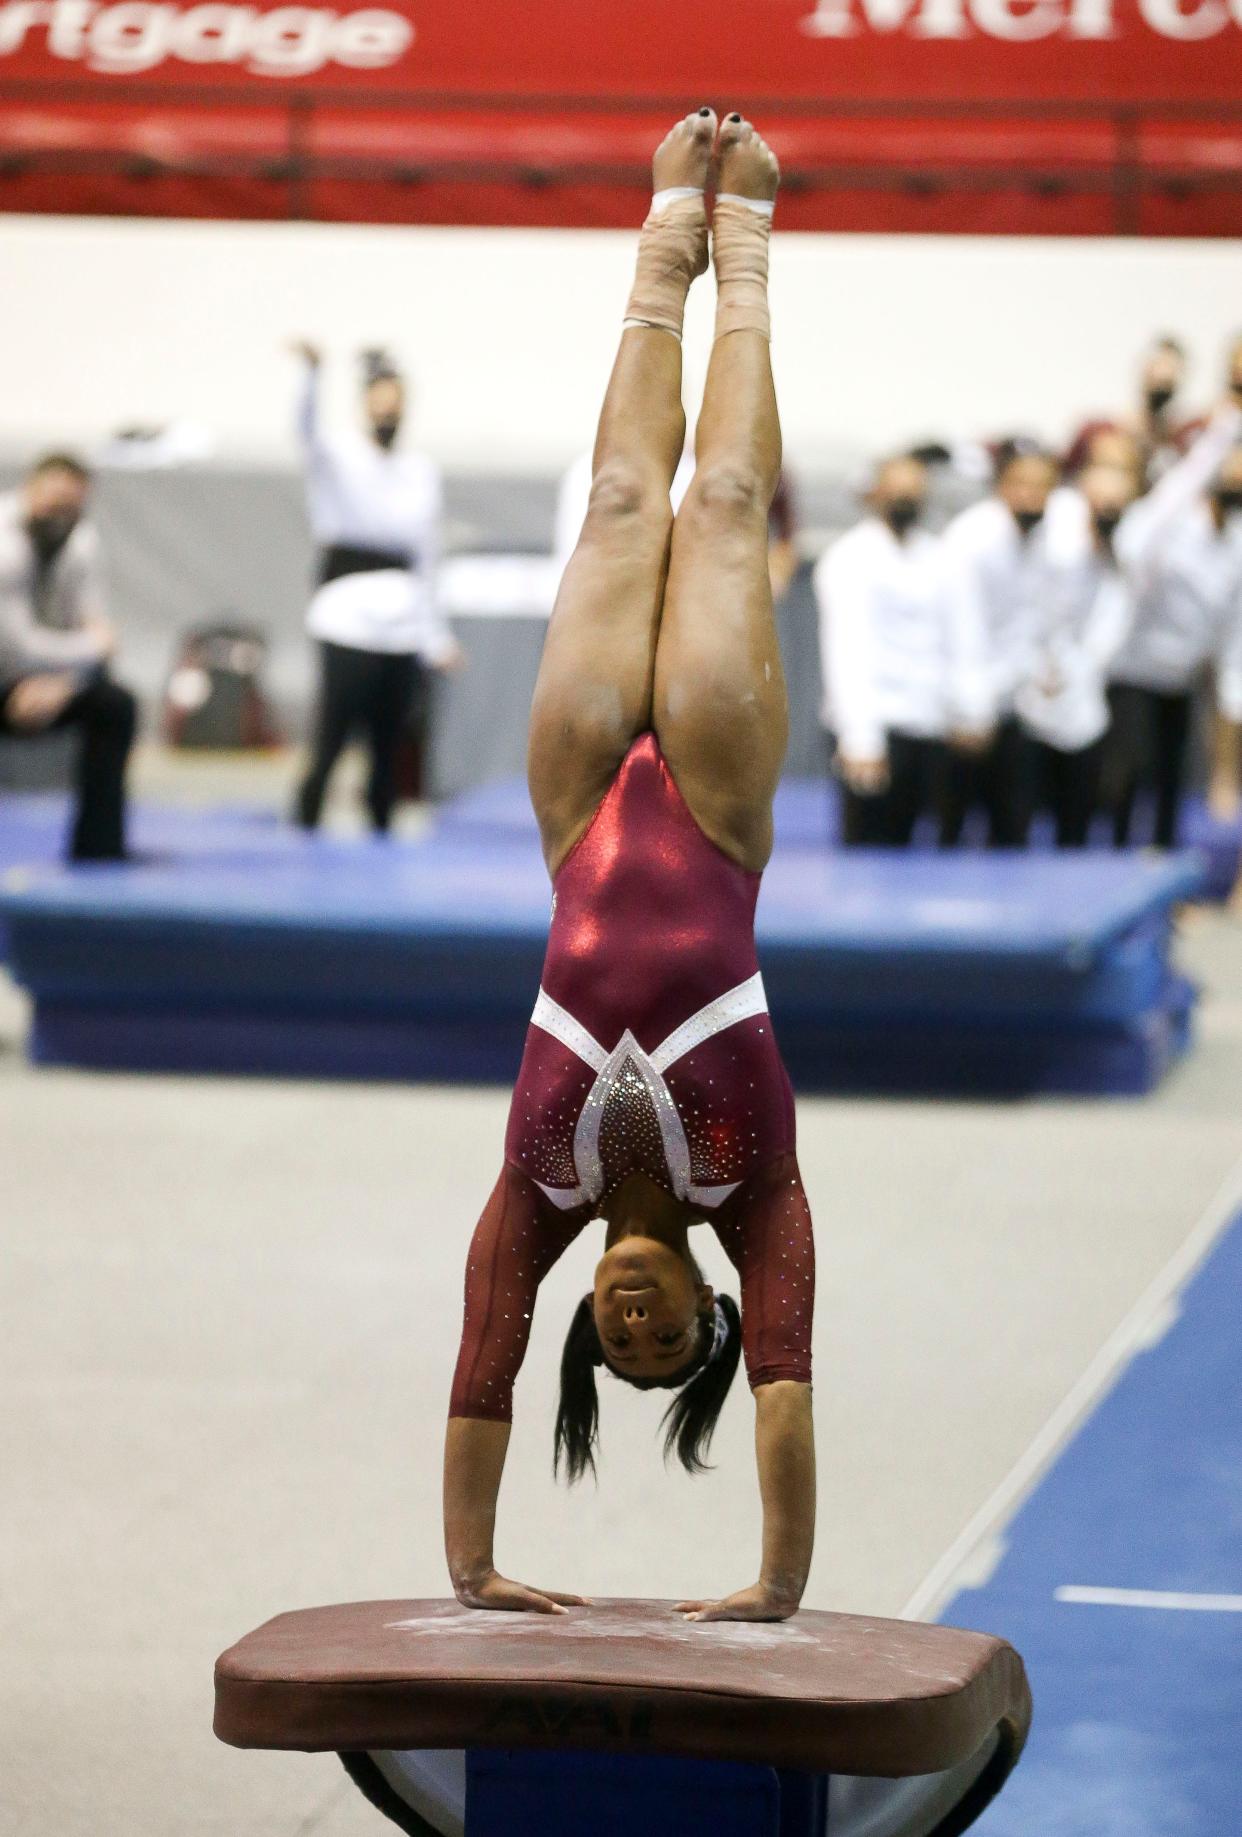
point(225, 867)
point(33, 828)
point(808, 815)
point(806, 812)
point(1138, 1708)
point(243, 945)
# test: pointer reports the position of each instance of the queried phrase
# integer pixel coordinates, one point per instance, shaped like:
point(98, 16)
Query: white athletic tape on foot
point(762, 207)
point(672, 250)
point(660, 200)
point(740, 252)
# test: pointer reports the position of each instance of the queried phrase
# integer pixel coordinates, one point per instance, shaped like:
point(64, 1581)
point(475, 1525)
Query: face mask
point(1158, 399)
point(49, 533)
point(1028, 520)
point(385, 432)
point(1229, 497)
point(902, 514)
point(1106, 522)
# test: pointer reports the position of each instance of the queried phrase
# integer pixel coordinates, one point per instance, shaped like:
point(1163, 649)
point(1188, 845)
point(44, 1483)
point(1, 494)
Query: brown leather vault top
point(830, 1692)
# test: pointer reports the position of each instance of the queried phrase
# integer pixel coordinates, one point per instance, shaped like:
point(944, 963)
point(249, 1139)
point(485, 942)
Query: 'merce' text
point(1019, 20)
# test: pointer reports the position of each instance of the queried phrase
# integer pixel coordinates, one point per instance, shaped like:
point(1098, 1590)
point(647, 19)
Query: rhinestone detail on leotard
point(629, 1088)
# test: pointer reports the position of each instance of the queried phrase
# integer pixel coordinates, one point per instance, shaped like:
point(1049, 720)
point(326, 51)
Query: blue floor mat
point(1138, 1708)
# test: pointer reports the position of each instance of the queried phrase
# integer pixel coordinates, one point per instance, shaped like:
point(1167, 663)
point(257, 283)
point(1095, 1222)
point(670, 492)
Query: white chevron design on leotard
point(726, 1010)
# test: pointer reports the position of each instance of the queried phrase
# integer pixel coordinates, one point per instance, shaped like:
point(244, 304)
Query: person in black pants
point(883, 650)
point(1068, 784)
point(998, 776)
point(1180, 544)
point(56, 643)
point(886, 818)
point(1149, 742)
point(997, 567)
point(371, 690)
point(105, 716)
point(375, 512)
point(1084, 618)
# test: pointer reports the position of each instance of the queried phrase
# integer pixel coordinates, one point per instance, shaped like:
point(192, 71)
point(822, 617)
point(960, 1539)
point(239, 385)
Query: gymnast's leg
point(720, 709)
point(594, 689)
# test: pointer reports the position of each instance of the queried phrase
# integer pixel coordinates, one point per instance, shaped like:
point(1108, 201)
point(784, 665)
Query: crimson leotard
point(650, 1051)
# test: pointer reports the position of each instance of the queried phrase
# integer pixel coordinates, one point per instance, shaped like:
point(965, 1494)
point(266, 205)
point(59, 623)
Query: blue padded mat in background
point(223, 868)
point(239, 943)
point(1138, 1708)
point(852, 935)
point(33, 827)
point(808, 815)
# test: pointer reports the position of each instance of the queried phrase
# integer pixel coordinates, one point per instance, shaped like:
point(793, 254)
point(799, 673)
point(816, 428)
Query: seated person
point(56, 642)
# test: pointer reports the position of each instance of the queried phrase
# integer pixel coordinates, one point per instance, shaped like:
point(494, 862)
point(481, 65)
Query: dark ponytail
point(690, 1420)
point(577, 1416)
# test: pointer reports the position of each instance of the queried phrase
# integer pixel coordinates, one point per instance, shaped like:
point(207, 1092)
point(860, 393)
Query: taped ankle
point(672, 250)
point(740, 238)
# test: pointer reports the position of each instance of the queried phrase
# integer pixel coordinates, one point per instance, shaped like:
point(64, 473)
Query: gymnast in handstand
point(652, 1094)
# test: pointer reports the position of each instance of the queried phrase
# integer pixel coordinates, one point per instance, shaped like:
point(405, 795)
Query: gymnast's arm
point(766, 1234)
point(517, 1240)
point(785, 1454)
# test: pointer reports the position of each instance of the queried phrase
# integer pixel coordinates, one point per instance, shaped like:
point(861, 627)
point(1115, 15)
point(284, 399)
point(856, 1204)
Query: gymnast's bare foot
point(748, 168)
point(672, 249)
point(684, 155)
point(681, 164)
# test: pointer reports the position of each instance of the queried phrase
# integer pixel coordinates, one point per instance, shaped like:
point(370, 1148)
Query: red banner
point(1060, 115)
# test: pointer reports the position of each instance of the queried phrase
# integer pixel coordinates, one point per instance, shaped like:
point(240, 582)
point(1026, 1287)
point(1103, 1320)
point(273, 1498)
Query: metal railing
point(1125, 176)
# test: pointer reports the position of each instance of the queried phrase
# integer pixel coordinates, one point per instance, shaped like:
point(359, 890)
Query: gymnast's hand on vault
point(757, 1603)
point(498, 1592)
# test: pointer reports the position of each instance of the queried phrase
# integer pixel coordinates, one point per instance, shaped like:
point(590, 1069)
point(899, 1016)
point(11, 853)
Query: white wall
point(878, 339)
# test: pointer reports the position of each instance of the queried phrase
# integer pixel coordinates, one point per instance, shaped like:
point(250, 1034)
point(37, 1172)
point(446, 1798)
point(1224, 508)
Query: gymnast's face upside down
point(651, 1310)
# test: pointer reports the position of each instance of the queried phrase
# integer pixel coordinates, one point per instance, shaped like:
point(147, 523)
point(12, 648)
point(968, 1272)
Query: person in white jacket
point(375, 512)
point(1085, 617)
point(1181, 550)
point(997, 575)
point(884, 652)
